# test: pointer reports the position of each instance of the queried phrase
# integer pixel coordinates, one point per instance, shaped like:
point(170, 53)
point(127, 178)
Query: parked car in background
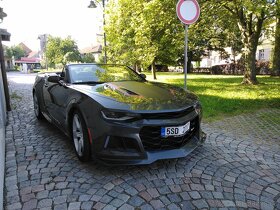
point(114, 115)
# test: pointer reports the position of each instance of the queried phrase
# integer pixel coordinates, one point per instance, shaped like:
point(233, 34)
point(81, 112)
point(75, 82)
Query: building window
point(261, 54)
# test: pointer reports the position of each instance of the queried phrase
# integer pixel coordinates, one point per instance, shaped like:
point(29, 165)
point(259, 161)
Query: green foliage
point(252, 18)
point(142, 32)
point(88, 58)
point(61, 51)
point(15, 51)
point(145, 32)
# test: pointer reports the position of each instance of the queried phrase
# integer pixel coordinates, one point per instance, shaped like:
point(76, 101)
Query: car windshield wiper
point(87, 82)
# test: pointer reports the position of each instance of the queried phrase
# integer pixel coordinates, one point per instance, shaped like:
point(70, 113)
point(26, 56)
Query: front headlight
point(198, 108)
point(118, 116)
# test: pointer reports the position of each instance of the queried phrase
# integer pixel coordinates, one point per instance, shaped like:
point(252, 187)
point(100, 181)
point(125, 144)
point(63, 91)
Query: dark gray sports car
point(114, 115)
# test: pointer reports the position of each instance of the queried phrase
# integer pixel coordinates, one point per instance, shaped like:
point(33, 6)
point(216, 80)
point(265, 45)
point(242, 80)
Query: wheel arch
point(70, 114)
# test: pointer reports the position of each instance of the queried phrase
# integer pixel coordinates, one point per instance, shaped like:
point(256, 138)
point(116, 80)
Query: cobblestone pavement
point(237, 167)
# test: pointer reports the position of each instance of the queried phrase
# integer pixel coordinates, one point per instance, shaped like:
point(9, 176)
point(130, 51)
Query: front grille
point(168, 115)
point(152, 140)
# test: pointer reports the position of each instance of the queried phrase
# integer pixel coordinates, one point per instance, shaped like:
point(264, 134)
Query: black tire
point(37, 108)
point(80, 137)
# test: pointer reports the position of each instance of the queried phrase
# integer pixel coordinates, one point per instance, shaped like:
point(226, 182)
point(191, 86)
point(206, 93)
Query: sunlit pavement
point(237, 167)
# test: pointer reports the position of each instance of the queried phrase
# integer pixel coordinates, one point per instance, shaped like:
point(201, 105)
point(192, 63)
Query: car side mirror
point(54, 78)
point(143, 76)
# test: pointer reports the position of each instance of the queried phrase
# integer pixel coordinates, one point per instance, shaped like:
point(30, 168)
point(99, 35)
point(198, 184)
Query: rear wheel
point(80, 137)
point(37, 108)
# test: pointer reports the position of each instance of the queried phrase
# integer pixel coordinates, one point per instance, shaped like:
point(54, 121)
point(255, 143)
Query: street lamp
point(92, 4)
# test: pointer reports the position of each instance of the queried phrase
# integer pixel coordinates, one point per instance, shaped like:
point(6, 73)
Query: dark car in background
point(114, 115)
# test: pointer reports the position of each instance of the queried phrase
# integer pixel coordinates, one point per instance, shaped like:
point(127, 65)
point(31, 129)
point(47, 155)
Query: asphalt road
point(238, 167)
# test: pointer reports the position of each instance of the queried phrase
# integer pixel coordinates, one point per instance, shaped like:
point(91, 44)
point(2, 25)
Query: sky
point(27, 19)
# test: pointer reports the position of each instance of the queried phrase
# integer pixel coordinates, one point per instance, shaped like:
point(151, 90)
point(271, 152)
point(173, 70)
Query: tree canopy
point(145, 32)
point(15, 51)
point(62, 51)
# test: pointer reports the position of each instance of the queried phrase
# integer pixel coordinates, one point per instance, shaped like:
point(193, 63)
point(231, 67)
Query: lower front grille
point(152, 140)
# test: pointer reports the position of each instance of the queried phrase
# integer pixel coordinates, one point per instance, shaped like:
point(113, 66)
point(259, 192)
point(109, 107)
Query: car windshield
point(98, 73)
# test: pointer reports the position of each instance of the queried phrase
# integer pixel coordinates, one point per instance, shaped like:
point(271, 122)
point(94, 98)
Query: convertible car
point(114, 115)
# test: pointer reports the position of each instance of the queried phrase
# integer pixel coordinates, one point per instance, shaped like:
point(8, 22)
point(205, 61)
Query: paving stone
point(123, 197)
point(153, 192)
point(136, 201)
point(173, 207)
point(106, 199)
point(194, 195)
point(126, 207)
point(157, 204)
point(74, 206)
point(87, 205)
point(146, 196)
point(109, 207)
point(45, 203)
point(228, 203)
point(174, 198)
point(27, 197)
point(117, 202)
point(200, 204)
point(237, 167)
point(42, 194)
point(131, 191)
point(14, 206)
point(60, 199)
point(99, 205)
point(109, 186)
point(32, 204)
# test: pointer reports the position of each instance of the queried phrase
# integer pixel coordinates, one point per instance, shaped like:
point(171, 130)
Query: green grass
point(224, 95)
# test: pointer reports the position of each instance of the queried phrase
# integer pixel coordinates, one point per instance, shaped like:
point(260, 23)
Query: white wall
point(2, 138)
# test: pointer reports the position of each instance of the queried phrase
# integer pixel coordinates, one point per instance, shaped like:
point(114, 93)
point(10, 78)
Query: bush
point(263, 67)
point(160, 68)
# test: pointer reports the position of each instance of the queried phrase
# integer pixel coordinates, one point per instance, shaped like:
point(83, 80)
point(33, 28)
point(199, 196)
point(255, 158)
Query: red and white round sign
point(188, 11)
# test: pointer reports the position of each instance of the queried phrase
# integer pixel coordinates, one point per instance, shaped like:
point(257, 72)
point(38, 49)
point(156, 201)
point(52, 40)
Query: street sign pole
point(186, 55)
point(188, 12)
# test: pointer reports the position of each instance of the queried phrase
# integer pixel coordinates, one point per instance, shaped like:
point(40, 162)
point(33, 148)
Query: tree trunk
point(189, 64)
point(250, 76)
point(276, 54)
point(154, 70)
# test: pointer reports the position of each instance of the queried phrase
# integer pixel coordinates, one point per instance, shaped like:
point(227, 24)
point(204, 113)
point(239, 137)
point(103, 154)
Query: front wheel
point(80, 137)
point(37, 109)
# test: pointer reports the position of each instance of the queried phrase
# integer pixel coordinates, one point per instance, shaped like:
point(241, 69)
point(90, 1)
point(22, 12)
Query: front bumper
point(130, 143)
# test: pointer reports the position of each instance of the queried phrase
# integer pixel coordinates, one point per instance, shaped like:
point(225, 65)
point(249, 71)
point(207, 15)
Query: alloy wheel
point(78, 136)
point(36, 105)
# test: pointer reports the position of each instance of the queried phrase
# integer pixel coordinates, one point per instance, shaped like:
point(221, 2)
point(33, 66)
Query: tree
point(148, 32)
point(15, 51)
point(143, 32)
point(211, 33)
point(251, 17)
point(88, 58)
point(61, 51)
point(276, 53)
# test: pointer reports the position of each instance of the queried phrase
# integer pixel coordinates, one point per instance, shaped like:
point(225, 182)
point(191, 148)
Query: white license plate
point(175, 131)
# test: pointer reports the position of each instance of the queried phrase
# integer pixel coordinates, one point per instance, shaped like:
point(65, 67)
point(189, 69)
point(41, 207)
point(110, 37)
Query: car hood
point(133, 95)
